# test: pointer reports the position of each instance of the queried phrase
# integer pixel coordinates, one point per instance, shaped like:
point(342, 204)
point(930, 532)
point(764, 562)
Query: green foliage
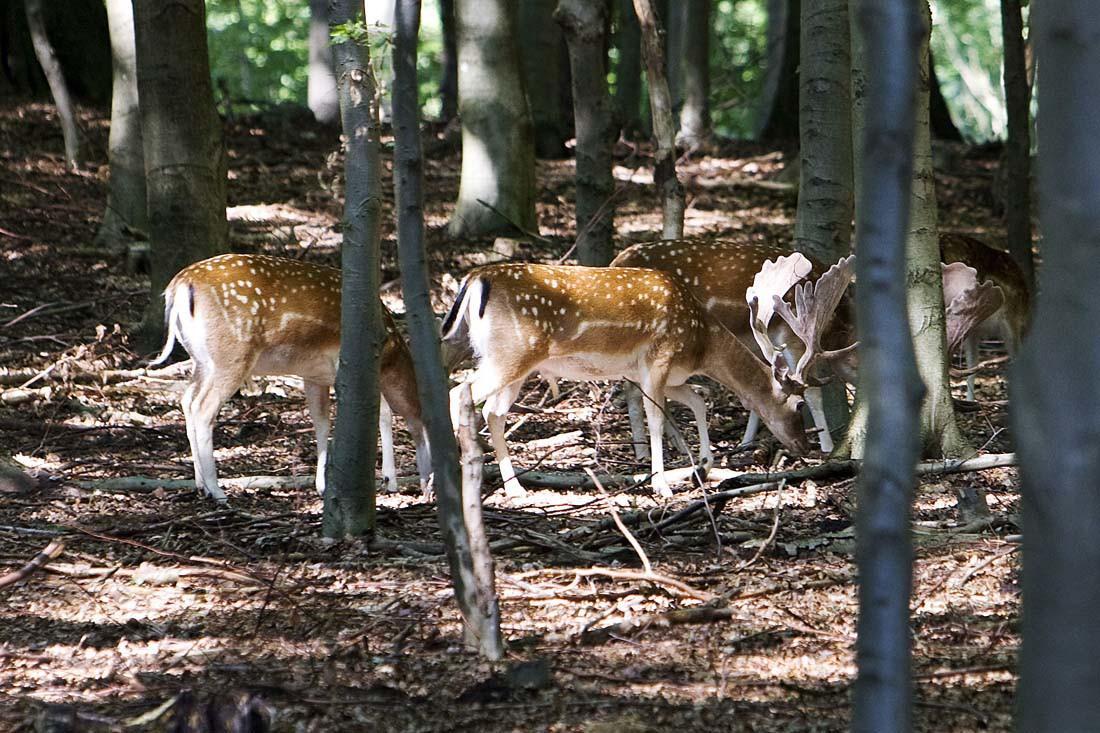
point(738, 51)
point(259, 49)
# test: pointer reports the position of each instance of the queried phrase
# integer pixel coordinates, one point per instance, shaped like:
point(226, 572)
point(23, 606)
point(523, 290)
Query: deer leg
point(423, 455)
point(637, 421)
point(685, 395)
point(653, 389)
point(385, 431)
point(971, 346)
point(752, 427)
point(317, 401)
point(201, 402)
point(815, 402)
point(496, 407)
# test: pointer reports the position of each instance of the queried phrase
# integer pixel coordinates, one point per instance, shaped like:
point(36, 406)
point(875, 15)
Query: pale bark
point(664, 130)
point(1017, 154)
point(584, 22)
point(47, 59)
point(458, 500)
point(321, 93)
point(497, 191)
point(183, 146)
point(890, 382)
point(1056, 394)
point(349, 504)
point(126, 213)
point(695, 74)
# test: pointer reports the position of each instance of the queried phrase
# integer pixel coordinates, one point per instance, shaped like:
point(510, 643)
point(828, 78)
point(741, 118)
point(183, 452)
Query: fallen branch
point(51, 551)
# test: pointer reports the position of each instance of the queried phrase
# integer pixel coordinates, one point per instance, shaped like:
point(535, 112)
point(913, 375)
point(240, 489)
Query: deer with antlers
point(607, 323)
point(240, 316)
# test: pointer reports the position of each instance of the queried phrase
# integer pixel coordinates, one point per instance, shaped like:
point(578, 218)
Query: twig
point(771, 535)
point(619, 523)
point(51, 551)
point(502, 215)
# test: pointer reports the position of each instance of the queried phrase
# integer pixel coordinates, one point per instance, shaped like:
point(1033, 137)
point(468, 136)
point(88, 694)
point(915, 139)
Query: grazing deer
point(725, 276)
point(244, 315)
point(1008, 323)
point(607, 323)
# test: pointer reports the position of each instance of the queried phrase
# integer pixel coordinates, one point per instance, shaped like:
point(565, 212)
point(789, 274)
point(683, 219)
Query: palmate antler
point(770, 284)
point(967, 302)
point(814, 306)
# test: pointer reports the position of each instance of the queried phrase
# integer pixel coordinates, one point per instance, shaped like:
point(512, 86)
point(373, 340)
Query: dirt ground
point(164, 605)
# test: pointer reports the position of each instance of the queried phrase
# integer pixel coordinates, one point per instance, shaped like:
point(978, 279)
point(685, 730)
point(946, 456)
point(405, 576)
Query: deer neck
point(729, 361)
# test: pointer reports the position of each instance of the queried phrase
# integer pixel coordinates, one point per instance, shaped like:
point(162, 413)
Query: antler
point(814, 306)
point(968, 303)
point(772, 283)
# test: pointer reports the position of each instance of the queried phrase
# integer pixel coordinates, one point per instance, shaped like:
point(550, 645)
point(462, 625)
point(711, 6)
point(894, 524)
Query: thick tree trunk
point(47, 59)
point(185, 161)
point(126, 199)
point(350, 492)
point(660, 105)
point(1017, 158)
point(1056, 395)
point(321, 94)
point(823, 225)
point(695, 74)
point(628, 72)
point(473, 582)
point(882, 695)
point(778, 119)
point(583, 22)
point(497, 190)
point(448, 62)
point(541, 54)
point(943, 127)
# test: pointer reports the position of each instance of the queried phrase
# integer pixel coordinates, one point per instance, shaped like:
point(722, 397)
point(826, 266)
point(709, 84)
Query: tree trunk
point(823, 225)
point(185, 161)
point(448, 62)
point(1055, 393)
point(660, 105)
point(672, 16)
point(126, 199)
point(584, 22)
point(1017, 157)
point(473, 582)
point(943, 127)
point(695, 74)
point(349, 496)
point(540, 52)
point(497, 191)
point(778, 118)
point(628, 72)
point(321, 94)
point(882, 695)
point(47, 59)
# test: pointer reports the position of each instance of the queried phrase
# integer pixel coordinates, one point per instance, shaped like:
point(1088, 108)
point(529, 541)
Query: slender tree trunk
point(882, 696)
point(823, 225)
point(583, 22)
point(126, 199)
point(185, 161)
point(448, 62)
point(660, 104)
point(671, 15)
point(628, 73)
point(540, 52)
point(695, 74)
point(321, 93)
point(943, 127)
point(473, 583)
point(1055, 391)
point(497, 190)
point(47, 59)
point(350, 492)
point(778, 118)
point(1017, 158)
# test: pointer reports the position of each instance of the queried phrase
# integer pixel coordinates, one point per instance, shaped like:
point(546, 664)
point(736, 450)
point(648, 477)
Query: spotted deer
point(607, 323)
point(240, 316)
point(725, 276)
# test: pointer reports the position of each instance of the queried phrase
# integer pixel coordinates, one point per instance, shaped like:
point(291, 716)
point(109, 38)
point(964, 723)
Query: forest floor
point(163, 603)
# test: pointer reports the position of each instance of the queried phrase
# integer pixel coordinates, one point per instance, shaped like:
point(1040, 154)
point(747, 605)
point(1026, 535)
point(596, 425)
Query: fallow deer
point(240, 316)
point(607, 323)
